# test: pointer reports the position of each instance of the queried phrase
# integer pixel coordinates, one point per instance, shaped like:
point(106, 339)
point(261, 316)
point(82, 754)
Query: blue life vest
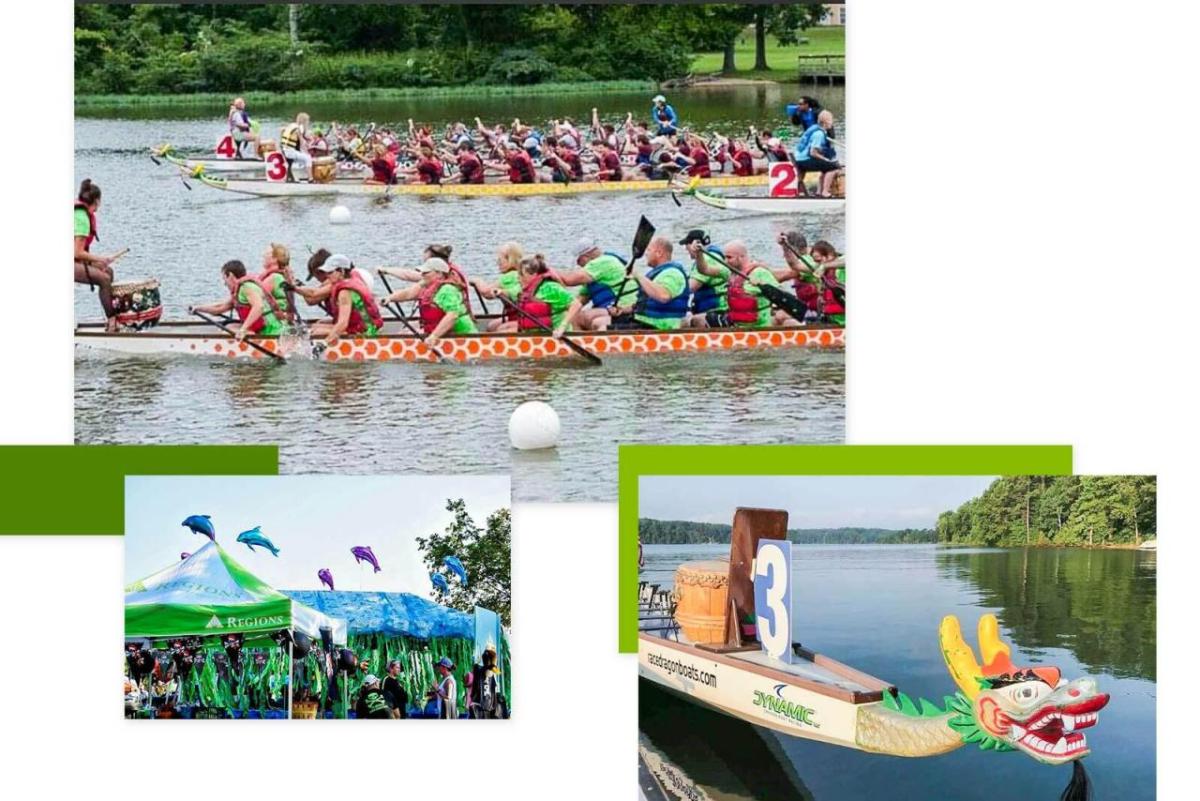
point(675, 307)
point(809, 139)
point(602, 295)
point(706, 298)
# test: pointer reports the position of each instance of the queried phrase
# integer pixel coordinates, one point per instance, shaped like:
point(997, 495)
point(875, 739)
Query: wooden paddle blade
point(788, 302)
point(641, 240)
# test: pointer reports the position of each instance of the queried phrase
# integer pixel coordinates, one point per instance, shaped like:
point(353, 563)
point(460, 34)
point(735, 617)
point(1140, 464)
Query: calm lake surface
point(877, 608)
point(427, 418)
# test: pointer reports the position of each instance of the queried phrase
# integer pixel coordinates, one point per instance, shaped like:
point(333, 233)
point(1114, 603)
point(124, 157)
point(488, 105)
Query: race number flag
point(773, 598)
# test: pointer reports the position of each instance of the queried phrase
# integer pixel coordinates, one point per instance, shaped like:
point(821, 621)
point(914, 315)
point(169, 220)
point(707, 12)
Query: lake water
point(396, 417)
point(877, 608)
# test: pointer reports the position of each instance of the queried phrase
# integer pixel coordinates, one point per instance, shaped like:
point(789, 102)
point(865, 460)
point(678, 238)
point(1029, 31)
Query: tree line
point(687, 532)
point(1055, 510)
point(149, 49)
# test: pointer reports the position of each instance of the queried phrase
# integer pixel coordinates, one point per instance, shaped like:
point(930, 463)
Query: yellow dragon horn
point(989, 640)
point(960, 660)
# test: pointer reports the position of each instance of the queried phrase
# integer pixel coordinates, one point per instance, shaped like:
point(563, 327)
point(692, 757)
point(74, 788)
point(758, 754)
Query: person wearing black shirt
point(394, 692)
point(371, 701)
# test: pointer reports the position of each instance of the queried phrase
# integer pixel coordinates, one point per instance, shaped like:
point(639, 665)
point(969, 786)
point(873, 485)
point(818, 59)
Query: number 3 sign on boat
point(773, 598)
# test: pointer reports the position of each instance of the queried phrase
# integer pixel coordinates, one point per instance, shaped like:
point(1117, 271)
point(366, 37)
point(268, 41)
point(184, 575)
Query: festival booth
point(383, 626)
point(204, 637)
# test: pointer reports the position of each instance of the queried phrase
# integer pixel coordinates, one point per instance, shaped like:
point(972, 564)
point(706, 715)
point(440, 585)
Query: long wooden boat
point(263, 188)
point(396, 344)
point(693, 642)
point(192, 164)
point(770, 205)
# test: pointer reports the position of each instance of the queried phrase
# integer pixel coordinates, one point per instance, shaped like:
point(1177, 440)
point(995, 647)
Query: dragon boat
point(396, 343)
point(697, 642)
point(241, 166)
point(762, 204)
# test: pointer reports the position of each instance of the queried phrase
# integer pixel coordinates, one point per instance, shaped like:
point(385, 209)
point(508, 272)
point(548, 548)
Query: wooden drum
point(702, 593)
point(324, 169)
point(137, 305)
point(266, 146)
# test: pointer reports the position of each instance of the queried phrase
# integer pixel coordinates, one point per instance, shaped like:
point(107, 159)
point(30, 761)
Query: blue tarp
point(396, 614)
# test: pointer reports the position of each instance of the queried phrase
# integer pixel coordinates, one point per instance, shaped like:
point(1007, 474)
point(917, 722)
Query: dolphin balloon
point(363, 553)
point(201, 524)
point(440, 582)
point(254, 537)
point(326, 577)
point(456, 567)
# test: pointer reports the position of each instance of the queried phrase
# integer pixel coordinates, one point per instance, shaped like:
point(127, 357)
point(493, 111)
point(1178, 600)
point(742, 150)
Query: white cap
point(336, 262)
point(370, 679)
point(584, 245)
point(435, 265)
point(659, 99)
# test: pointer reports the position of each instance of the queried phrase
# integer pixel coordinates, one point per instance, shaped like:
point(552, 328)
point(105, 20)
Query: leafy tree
point(485, 553)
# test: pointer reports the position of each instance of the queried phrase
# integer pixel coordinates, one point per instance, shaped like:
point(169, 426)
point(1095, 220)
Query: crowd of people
point(690, 284)
point(387, 699)
point(657, 147)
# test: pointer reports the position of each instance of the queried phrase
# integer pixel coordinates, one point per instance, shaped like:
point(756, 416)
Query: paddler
point(747, 306)
point(831, 267)
point(277, 280)
point(470, 168)
point(241, 128)
point(517, 163)
point(91, 269)
point(692, 156)
point(347, 299)
point(608, 162)
point(293, 141)
point(564, 163)
point(709, 302)
point(663, 293)
point(253, 306)
point(600, 275)
point(801, 270)
point(508, 262)
point(383, 166)
point(814, 152)
point(544, 303)
point(439, 302)
point(664, 117)
point(428, 168)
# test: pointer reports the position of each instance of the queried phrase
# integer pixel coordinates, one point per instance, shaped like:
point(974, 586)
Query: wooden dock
point(826, 70)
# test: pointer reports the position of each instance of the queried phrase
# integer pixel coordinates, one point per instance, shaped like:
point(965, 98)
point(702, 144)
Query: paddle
point(641, 240)
point(398, 314)
point(788, 304)
point(582, 351)
point(839, 294)
point(255, 345)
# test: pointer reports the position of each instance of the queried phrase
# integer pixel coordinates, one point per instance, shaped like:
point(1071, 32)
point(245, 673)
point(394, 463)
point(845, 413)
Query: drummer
point(293, 140)
point(90, 268)
point(241, 128)
point(252, 304)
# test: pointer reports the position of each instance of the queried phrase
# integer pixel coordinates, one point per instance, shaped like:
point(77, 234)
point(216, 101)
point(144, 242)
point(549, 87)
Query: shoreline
point(1123, 546)
point(107, 102)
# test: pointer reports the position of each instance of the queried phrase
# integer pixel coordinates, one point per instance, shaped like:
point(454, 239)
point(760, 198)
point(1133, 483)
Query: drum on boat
point(702, 599)
point(324, 169)
point(137, 305)
point(266, 146)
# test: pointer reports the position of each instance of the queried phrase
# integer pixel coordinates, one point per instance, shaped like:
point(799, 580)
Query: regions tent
point(397, 625)
point(210, 594)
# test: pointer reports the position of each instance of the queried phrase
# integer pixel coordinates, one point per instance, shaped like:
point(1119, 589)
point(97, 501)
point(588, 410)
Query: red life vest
point(470, 168)
point(430, 313)
point(357, 324)
point(243, 309)
point(743, 307)
point(92, 231)
point(807, 293)
point(537, 312)
point(611, 167)
point(830, 283)
point(743, 163)
point(520, 167)
point(701, 168)
point(429, 170)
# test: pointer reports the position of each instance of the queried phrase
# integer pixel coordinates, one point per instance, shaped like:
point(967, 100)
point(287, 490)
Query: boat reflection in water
point(689, 753)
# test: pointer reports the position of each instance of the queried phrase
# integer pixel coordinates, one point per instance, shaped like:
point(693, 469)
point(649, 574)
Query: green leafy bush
point(520, 67)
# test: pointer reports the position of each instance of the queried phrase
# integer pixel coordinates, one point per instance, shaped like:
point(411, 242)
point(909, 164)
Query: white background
point(1022, 223)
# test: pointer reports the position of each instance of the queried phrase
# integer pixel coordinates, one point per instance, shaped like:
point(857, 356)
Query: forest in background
point(1056, 510)
point(686, 532)
point(188, 49)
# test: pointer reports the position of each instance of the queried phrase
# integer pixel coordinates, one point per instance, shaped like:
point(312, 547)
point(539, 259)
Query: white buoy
point(533, 425)
point(339, 215)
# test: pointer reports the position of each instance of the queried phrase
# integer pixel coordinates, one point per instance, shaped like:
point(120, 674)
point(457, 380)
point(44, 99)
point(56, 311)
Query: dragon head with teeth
point(1033, 710)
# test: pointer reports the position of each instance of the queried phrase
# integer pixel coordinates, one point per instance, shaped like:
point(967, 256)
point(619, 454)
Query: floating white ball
point(533, 425)
point(339, 215)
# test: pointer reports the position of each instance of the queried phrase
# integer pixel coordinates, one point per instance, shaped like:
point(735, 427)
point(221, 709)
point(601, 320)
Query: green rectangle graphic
point(801, 460)
point(80, 489)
